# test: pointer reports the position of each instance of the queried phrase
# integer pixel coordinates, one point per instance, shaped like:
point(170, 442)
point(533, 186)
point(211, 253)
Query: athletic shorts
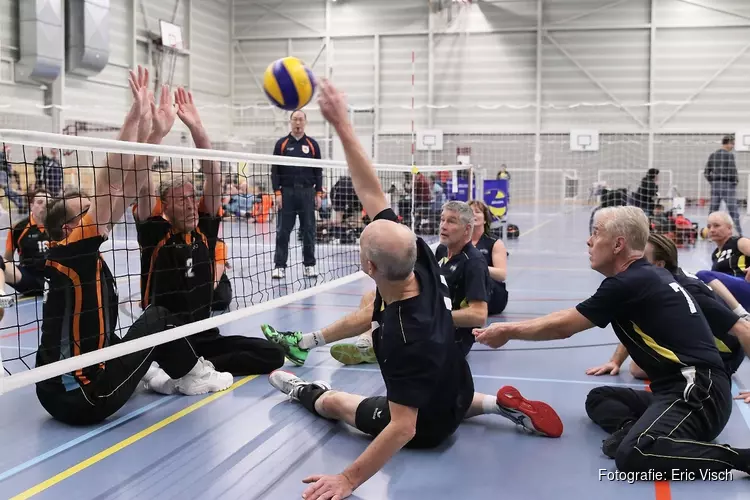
point(374, 414)
point(31, 282)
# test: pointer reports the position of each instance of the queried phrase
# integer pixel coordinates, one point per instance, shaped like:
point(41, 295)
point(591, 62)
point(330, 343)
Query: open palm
point(186, 109)
point(165, 114)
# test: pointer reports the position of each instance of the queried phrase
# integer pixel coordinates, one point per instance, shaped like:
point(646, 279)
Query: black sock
point(308, 395)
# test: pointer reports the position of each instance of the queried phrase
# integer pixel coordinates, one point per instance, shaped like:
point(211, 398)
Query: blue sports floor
point(251, 442)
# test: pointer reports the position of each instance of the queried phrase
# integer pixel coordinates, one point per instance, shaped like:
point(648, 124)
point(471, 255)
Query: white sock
point(310, 340)
point(489, 405)
point(740, 311)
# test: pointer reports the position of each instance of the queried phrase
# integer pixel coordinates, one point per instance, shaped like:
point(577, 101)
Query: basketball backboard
point(171, 35)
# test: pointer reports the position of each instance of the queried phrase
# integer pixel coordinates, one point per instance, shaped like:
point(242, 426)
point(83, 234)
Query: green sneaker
point(352, 354)
point(289, 342)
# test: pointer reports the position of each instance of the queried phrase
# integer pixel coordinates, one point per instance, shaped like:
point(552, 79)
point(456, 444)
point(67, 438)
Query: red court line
point(663, 491)
point(14, 334)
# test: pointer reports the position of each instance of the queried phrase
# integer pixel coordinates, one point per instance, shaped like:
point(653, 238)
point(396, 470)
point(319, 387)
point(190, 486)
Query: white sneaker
point(278, 273)
point(203, 378)
point(311, 272)
point(158, 381)
point(290, 384)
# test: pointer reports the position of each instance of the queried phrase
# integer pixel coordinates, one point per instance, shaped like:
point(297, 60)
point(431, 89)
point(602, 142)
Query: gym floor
point(251, 442)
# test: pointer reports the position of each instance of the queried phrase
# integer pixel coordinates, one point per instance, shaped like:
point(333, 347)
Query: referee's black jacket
point(284, 176)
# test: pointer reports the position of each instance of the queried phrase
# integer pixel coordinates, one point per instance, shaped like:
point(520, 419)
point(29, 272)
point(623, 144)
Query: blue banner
point(463, 190)
point(497, 196)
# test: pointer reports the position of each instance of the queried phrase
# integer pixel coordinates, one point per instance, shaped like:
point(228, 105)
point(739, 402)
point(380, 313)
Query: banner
point(496, 196)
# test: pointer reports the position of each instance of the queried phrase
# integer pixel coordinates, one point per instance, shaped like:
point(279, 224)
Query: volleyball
point(289, 84)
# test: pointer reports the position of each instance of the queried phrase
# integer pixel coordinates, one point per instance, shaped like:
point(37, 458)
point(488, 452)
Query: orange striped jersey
point(80, 306)
point(29, 239)
point(181, 266)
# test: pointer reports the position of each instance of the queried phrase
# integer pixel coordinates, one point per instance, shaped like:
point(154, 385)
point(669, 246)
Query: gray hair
point(395, 264)
point(172, 183)
point(725, 218)
point(464, 211)
point(628, 222)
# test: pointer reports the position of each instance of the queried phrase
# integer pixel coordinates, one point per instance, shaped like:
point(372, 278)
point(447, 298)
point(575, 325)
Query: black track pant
point(237, 354)
point(115, 384)
point(673, 427)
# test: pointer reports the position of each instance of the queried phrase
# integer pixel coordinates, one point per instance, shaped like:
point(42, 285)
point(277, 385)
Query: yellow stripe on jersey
point(722, 346)
point(660, 350)
point(741, 263)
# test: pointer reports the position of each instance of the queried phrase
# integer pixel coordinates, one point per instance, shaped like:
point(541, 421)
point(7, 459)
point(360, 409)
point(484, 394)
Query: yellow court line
point(127, 442)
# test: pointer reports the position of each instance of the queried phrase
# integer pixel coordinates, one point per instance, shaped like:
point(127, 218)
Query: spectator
point(646, 196)
point(721, 173)
point(49, 173)
point(503, 173)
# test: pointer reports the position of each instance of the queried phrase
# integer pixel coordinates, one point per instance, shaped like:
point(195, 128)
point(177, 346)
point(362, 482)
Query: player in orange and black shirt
point(31, 241)
point(181, 268)
point(222, 285)
point(81, 304)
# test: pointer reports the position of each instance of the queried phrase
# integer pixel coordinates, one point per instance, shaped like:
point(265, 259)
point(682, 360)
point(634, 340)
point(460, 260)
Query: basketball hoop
point(171, 43)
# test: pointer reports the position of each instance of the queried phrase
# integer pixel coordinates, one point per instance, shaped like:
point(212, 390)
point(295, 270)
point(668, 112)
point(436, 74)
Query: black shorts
point(374, 414)
point(498, 298)
point(31, 282)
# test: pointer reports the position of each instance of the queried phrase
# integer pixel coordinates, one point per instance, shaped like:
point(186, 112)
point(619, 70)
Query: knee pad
point(595, 397)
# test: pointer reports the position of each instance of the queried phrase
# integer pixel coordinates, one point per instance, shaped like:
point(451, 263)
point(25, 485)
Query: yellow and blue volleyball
point(289, 84)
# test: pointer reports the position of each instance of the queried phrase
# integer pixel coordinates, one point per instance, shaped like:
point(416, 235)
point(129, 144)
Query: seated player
point(181, 244)
point(732, 334)
point(494, 253)
point(429, 386)
point(667, 335)
point(468, 283)
point(30, 240)
point(81, 306)
point(729, 262)
point(659, 220)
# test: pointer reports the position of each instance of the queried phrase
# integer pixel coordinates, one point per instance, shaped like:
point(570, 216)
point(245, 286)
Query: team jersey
point(468, 280)
point(657, 320)
point(720, 318)
point(180, 273)
point(31, 242)
point(729, 259)
point(414, 342)
point(80, 306)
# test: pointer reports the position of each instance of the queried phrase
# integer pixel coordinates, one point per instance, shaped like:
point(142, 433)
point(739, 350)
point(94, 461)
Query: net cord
point(99, 145)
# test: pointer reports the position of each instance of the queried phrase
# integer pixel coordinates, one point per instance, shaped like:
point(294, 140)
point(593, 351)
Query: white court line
point(27, 349)
point(598, 381)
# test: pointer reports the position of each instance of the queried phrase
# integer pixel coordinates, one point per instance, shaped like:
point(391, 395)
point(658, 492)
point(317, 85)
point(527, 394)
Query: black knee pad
point(595, 397)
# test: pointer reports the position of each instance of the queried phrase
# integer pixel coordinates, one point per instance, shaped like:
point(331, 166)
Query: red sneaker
point(535, 416)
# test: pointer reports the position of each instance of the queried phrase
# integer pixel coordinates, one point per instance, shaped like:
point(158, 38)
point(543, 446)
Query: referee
point(667, 335)
point(298, 192)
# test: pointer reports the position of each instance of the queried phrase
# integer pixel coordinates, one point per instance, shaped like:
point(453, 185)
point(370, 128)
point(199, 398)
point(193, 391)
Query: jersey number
point(43, 246)
point(677, 288)
point(189, 272)
point(724, 255)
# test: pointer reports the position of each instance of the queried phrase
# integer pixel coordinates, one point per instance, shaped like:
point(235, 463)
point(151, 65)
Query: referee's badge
point(305, 149)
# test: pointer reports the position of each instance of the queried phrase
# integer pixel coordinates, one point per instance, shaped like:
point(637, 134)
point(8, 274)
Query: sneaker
point(279, 273)
point(311, 272)
point(290, 384)
point(7, 300)
point(157, 380)
point(612, 443)
point(289, 343)
point(534, 416)
point(203, 378)
point(354, 354)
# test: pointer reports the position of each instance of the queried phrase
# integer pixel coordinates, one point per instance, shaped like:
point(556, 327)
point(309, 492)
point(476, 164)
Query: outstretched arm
point(109, 200)
point(366, 183)
point(555, 326)
point(188, 113)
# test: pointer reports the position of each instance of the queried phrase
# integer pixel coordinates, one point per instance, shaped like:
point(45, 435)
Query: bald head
point(391, 248)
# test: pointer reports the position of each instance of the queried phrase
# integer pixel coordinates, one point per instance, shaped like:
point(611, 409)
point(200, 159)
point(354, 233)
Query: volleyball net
point(253, 219)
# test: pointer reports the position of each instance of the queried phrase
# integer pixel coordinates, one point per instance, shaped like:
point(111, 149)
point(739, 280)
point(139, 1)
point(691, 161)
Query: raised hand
point(143, 97)
point(186, 109)
point(164, 114)
point(333, 104)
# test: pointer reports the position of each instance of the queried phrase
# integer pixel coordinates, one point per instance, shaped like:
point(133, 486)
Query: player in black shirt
point(182, 243)
point(494, 253)
point(667, 335)
point(31, 241)
point(429, 387)
point(81, 303)
point(730, 331)
point(729, 273)
point(465, 270)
